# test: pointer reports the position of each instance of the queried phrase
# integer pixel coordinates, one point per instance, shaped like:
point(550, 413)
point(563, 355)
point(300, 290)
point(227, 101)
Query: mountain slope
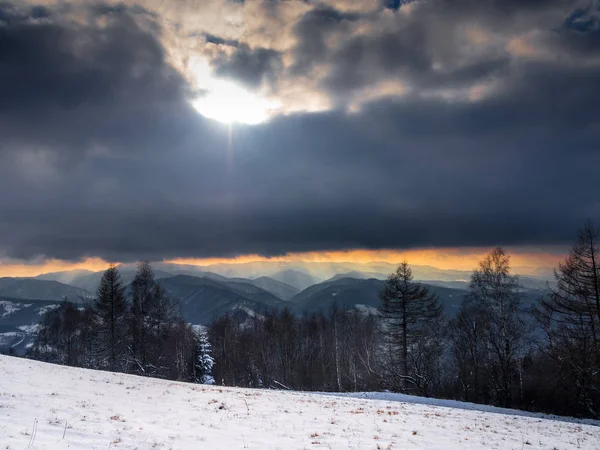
point(65, 276)
point(349, 292)
point(91, 281)
point(31, 288)
point(296, 278)
point(188, 269)
point(18, 322)
point(86, 409)
point(359, 275)
point(277, 288)
point(203, 299)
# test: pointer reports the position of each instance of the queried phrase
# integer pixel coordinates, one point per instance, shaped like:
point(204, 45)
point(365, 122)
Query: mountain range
point(244, 290)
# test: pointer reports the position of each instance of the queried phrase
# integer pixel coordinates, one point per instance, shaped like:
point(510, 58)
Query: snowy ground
point(43, 406)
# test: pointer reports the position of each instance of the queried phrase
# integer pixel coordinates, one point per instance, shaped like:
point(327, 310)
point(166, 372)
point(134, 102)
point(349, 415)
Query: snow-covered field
point(44, 406)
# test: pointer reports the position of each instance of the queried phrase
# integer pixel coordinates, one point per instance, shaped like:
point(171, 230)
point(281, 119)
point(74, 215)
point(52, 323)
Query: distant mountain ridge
point(296, 278)
point(278, 288)
point(66, 276)
point(90, 281)
point(37, 289)
point(307, 272)
point(202, 299)
point(348, 293)
point(204, 296)
point(359, 275)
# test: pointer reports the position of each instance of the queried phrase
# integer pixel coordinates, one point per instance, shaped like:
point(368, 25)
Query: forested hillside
point(490, 341)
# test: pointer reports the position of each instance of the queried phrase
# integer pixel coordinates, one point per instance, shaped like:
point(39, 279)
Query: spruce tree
point(204, 360)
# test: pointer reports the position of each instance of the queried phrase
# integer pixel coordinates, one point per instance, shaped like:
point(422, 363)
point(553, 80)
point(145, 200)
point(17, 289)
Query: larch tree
point(407, 309)
point(110, 309)
point(142, 289)
point(570, 317)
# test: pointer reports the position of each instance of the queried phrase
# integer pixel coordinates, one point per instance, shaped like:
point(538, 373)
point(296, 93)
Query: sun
point(227, 102)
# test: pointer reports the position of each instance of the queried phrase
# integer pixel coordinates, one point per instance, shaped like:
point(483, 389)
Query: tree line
point(333, 352)
point(496, 350)
point(136, 329)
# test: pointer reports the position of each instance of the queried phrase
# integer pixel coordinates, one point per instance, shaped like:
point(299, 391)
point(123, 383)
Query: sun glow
point(527, 260)
point(229, 103)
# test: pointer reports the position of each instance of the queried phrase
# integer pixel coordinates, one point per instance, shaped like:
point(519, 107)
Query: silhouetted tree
point(468, 333)
point(141, 300)
point(109, 310)
point(495, 293)
point(570, 318)
point(407, 307)
point(105, 334)
point(59, 338)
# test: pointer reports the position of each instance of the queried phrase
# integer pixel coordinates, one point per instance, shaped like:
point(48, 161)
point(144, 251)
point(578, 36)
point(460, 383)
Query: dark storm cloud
point(249, 66)
point(148, 178)
point(72, 86)
point(428, 47)
point(212, 39)
point(312, 31)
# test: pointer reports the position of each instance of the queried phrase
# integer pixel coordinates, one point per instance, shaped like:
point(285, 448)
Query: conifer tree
point(407, 307)
point(204, 360)
point(109, 312)
point(570, 317)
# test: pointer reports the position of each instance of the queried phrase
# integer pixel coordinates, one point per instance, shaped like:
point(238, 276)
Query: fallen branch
point(282, 385)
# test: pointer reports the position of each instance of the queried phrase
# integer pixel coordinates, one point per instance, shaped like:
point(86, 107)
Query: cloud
point(73, 87)
point(439, 124)
point(249, 66)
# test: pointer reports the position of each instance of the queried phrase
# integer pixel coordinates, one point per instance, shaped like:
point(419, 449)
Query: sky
point(221, 130)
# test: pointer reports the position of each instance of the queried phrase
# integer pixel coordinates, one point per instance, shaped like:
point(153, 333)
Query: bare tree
point(496, 292)
point(468, 336)
point(141, 302)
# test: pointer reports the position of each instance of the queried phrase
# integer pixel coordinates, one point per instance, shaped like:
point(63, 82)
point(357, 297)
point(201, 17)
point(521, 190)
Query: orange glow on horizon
point(526, 260)
point(51, 265)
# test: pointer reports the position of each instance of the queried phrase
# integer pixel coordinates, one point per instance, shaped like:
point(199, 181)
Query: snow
point(393, 397)
point(31, 329)
point(248, 311)
point(10, 307)
point(198, 328)
point(10, 334)
point(367, 310)
point(43, 310)
point(7, 339)
point(100, 410)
